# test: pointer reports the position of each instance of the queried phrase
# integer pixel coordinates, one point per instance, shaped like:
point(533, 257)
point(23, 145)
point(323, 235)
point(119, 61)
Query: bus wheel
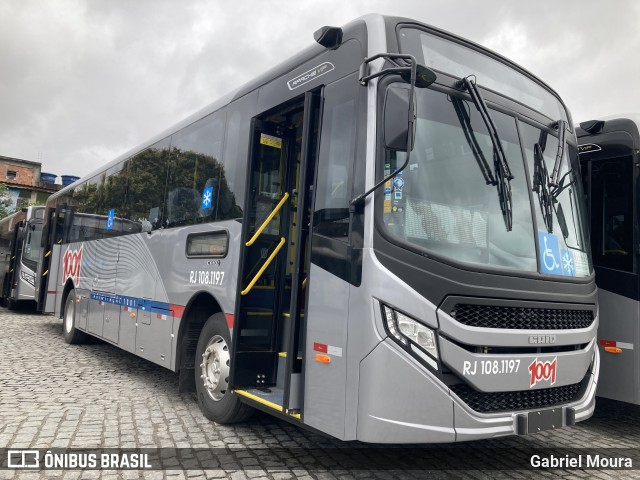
point(11, 303)
point(71, 334)
point(212, 366)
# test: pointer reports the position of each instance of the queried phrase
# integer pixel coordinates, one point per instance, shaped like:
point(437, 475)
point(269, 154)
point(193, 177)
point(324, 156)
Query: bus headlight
point(408, 331)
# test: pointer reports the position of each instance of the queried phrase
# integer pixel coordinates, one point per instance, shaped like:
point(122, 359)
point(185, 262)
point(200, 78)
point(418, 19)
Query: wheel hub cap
point(215, 368)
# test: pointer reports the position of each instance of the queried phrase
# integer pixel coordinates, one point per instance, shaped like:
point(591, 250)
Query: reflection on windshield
point(459, 60)
point(442, 202)
point(445, 202)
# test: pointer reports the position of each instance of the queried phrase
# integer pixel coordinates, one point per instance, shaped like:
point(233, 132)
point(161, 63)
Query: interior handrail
point(264, 267)
point(268, 219)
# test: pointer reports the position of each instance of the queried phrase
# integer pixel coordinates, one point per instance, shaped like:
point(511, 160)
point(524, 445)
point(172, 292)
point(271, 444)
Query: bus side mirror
point(396, 113)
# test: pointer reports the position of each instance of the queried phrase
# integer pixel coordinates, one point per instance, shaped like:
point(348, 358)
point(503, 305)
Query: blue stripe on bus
point(133, 302)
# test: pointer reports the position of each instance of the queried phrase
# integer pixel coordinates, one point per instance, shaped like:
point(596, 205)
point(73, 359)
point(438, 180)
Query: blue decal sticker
point(207, 197)
point(398, 183)
point(568, 267)
point(110, 217)
point(550, 261)
point(397, 195)
point(387, 191)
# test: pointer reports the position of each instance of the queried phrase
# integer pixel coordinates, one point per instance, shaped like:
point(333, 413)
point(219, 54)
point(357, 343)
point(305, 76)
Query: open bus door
point(268, 334)
point(46, 287)
point(14, 261)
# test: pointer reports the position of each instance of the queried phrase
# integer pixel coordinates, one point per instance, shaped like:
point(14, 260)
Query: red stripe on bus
point(49, 292)
point(230, 319)
point(177, 310)
point(607, 343)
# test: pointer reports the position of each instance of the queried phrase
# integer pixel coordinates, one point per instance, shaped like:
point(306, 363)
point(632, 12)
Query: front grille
point(520, 318)
point(490, 402)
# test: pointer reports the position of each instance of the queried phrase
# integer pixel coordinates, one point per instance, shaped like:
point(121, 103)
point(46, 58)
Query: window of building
point(12, 175)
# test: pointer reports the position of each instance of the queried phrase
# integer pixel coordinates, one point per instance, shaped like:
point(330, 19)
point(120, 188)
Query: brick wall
point(17, 174)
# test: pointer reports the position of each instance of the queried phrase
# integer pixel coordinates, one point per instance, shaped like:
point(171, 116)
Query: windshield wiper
point(465, 123)
point(561, 125)
point(562, 186)
point(501, 167)
point(549, 188)
point(541, 182)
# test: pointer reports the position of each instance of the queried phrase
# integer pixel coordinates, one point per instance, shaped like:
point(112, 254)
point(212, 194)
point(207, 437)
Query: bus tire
point(5, 289)
point(72, 335)
point(212, 366)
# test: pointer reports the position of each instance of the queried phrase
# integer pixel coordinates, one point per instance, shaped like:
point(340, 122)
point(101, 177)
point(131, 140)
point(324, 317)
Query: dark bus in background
point(610, 156)
point(20, 235)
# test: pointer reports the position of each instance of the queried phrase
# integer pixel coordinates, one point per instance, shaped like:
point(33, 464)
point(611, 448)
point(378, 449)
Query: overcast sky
point(83, 81)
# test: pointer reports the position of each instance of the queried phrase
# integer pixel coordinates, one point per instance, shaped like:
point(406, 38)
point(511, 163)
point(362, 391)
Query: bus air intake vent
point(491, 402)
point(521, 318)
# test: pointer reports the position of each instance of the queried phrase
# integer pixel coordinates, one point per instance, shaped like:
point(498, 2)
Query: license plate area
point(540, 420)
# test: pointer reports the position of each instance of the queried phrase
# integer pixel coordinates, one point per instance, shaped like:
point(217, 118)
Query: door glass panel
point(612, 213)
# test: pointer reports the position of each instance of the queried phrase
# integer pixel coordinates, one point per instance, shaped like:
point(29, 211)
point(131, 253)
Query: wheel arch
point(199, 308)
point(65, 293)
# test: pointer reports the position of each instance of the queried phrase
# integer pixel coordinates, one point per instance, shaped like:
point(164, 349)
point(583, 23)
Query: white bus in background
point(20, 236)
point(381, 238)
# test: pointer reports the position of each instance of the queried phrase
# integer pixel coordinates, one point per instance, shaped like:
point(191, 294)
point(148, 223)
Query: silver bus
point(609, 155)
point(20, 237)
point(368, 240)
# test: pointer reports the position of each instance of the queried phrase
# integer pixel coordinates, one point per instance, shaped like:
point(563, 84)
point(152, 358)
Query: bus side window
point(195, 171)
point(146, 184)
point(236, 145)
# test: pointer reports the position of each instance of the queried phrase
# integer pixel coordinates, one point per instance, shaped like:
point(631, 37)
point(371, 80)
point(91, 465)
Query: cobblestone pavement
point(54, 395)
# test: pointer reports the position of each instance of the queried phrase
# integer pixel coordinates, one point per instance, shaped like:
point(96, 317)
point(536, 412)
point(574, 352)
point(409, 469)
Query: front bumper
point(400, 401)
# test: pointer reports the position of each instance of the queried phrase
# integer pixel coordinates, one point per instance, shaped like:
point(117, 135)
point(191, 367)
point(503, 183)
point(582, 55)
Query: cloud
point(85, 81)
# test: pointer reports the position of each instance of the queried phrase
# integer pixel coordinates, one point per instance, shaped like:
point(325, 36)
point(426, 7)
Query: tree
point(5, 200)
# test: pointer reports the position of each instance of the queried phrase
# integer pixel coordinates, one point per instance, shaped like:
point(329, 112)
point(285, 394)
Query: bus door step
point(270, 397)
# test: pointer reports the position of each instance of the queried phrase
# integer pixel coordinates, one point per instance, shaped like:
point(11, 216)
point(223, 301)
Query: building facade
point(24, 180)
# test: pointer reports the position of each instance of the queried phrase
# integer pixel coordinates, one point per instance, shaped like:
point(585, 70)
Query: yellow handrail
point(269, 218)
point(264, 267)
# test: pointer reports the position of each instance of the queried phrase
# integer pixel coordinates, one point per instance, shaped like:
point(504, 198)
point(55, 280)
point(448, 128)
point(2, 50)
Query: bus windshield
point(458, 60)
point(444, 202)
point(32, 243)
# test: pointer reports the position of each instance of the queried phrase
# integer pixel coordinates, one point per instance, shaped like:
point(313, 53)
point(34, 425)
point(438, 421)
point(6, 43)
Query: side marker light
point(323, 358)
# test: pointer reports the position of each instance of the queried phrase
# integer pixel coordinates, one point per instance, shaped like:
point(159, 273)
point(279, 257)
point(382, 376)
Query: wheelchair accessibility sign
point(553, 259)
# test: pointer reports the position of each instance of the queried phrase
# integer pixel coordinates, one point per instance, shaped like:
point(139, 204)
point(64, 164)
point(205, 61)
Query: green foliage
point(5, 201)
point(159, 189)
